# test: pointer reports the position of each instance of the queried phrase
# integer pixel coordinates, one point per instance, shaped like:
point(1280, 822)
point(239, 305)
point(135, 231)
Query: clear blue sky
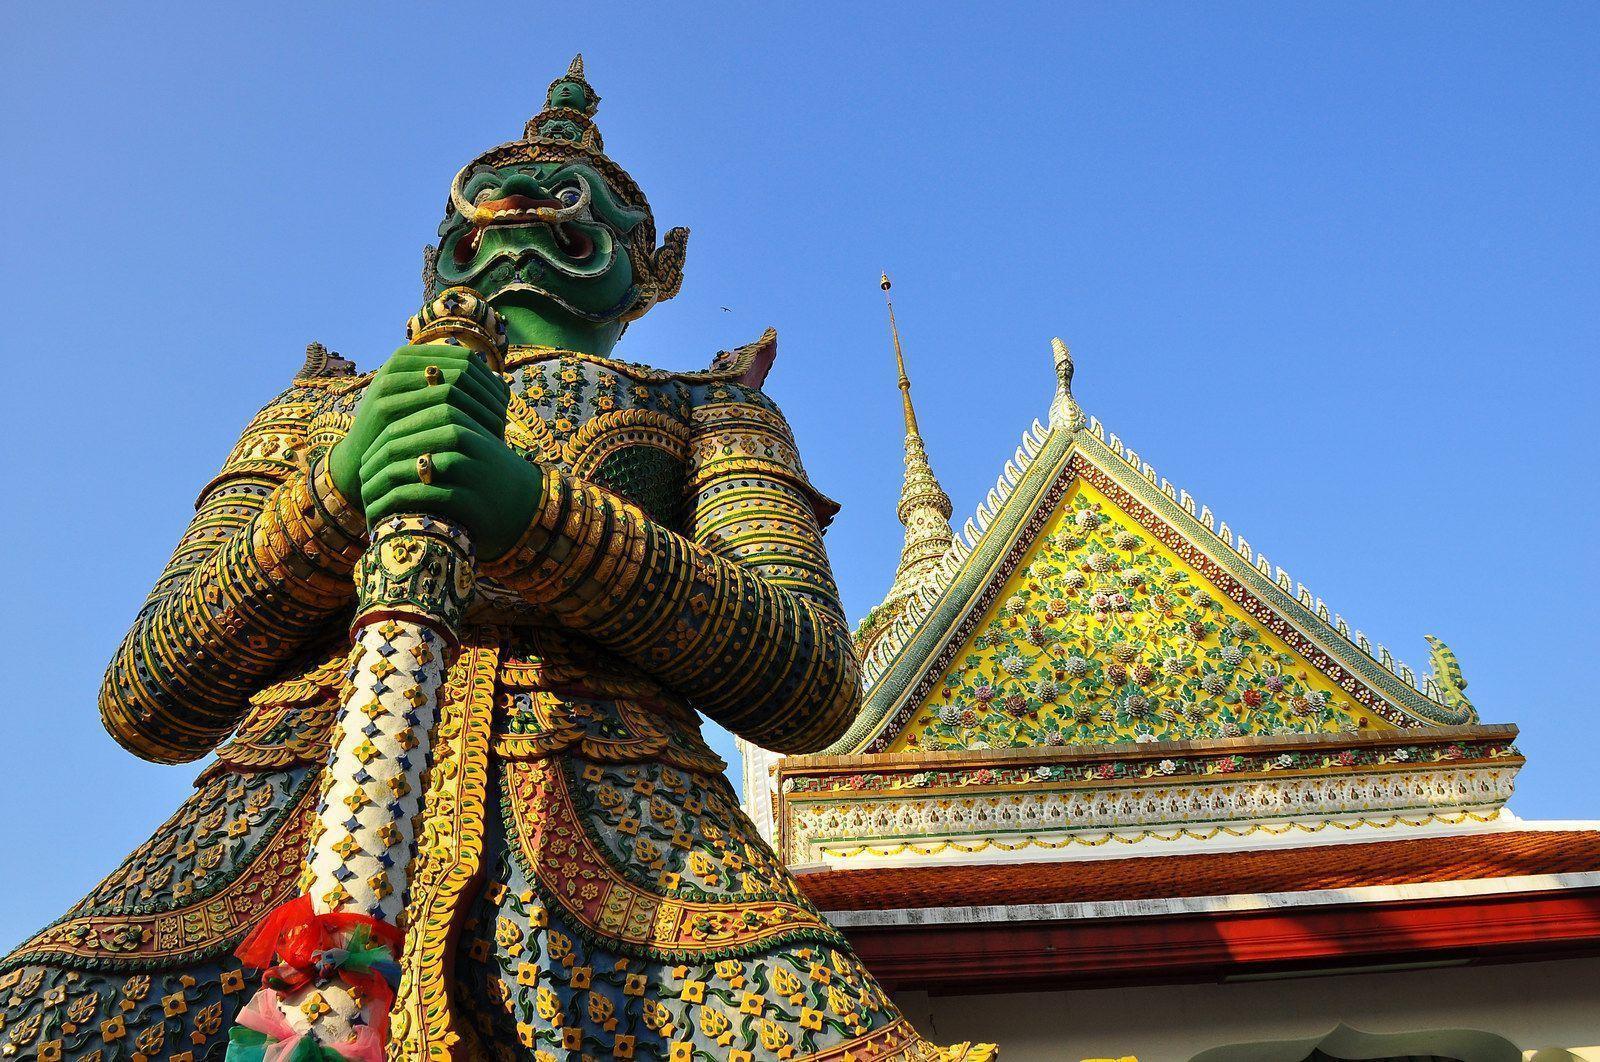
point(1333, 269)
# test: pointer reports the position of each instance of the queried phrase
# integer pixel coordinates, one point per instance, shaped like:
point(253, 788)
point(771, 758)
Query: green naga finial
point(557, 236)
point(1447, 674)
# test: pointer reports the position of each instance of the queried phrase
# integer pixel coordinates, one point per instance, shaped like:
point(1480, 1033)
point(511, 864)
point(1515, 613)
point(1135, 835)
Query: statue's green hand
point(401, 388)
point(459, 423)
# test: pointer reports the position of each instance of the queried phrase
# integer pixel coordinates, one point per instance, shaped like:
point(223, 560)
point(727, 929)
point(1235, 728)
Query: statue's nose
point(522, 184)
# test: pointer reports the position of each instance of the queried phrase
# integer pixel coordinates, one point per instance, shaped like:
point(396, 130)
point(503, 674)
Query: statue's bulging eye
point(484, 195)
point(569, 195)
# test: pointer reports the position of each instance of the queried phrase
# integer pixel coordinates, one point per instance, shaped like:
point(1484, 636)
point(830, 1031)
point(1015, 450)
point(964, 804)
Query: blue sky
point(1333, 269)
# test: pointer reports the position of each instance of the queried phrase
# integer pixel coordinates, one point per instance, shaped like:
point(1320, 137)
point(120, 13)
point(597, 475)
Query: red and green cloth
point(298, 948)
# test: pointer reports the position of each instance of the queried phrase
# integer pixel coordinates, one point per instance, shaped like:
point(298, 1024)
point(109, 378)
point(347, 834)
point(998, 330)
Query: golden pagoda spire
point(924, 506)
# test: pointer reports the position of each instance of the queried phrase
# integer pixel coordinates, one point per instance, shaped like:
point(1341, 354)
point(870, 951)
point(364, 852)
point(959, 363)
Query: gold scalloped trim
point(604, 435)
point(448, 863)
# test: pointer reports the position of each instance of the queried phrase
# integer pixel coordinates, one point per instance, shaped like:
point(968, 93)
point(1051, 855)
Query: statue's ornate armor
point(585, 884)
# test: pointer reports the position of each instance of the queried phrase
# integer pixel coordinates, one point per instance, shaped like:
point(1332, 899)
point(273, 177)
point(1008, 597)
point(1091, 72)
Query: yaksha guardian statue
point(491, 829)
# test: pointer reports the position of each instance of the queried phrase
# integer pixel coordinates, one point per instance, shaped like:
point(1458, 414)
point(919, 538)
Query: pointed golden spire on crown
point(924, 506)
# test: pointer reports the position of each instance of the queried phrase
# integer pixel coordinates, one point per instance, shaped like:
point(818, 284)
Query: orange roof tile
point(1338, 866)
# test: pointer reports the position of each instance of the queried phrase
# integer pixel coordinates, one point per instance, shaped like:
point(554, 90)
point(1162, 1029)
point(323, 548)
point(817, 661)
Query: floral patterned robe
point(586, 885)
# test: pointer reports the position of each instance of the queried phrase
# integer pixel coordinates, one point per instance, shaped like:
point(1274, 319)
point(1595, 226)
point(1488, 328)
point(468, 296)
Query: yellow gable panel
point(1102, 634)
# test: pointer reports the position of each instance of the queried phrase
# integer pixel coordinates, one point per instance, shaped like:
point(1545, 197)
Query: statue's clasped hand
point(429, 437)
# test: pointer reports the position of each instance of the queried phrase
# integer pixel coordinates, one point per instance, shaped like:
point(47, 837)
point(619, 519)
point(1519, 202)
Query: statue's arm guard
point(263, 566)
point(740, 614)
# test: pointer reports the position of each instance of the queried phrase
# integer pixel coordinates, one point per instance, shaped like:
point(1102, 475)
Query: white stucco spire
point(924, 507)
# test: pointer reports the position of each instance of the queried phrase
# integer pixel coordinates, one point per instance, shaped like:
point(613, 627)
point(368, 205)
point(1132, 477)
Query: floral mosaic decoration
point(1106, 638)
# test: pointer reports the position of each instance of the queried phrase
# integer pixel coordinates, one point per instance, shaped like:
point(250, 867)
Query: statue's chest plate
point(625, 432)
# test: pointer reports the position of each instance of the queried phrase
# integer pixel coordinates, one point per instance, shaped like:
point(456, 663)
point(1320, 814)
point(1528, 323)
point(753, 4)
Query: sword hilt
point(419, 568)
point(461, 317)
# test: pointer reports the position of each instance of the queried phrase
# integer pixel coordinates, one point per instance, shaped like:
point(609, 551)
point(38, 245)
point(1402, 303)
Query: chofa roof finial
point(1064, 409)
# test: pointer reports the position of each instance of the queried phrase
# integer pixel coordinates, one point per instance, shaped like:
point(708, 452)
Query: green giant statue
point(491, 829)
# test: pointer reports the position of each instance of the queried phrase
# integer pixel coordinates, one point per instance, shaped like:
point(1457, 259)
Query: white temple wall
point(756, 789)
point(1534, 1005)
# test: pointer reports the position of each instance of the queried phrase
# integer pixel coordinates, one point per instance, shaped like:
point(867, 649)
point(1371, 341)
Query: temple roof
point(1502, 853)
point(1507, 891)
point(1090, 600)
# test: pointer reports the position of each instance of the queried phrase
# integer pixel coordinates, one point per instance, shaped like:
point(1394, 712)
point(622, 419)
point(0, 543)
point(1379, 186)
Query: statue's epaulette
point(322, 362)
point(747, 365)
point(328, 370)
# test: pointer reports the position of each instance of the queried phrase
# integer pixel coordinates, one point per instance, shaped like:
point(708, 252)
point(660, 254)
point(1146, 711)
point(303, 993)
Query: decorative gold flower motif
point(713, 1022)
point(546, 1003)
point(508, 935)
point(83, 1008)
point(208, 1019)
point(150, 1040)
point(25, 1030)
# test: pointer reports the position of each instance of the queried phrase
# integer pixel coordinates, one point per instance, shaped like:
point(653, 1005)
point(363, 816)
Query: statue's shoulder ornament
point(279, 439)
point(324, 392)
point(746, 366)
point(729, 405)
point(328, 370)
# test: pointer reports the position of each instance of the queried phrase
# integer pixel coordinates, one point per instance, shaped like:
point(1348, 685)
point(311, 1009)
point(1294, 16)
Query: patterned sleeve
point(263, 566)
point(739, 613)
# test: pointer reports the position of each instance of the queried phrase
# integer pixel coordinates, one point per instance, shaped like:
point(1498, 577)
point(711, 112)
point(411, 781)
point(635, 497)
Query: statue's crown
point(569, 107)
point(565, 129)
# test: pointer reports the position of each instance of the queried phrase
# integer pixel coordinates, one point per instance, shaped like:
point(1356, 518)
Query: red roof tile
point(1342, 866)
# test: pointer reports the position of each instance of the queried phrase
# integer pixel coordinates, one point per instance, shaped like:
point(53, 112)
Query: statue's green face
point(568, 94)
point(541, 235)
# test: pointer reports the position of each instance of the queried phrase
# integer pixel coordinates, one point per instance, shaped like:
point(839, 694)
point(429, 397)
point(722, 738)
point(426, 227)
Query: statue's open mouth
point(524, 210)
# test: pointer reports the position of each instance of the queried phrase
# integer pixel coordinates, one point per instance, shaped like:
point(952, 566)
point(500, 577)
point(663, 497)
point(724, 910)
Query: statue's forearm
point(207, 639)
point(768, 662)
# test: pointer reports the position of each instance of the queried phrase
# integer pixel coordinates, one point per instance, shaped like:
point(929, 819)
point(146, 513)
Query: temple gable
point(1089, 601)
point(1103, 634)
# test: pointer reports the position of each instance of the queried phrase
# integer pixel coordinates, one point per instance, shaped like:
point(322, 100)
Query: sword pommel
point(461, 317)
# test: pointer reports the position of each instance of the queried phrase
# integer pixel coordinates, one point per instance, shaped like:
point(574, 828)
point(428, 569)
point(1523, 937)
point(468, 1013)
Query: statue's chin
point(532, 297)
